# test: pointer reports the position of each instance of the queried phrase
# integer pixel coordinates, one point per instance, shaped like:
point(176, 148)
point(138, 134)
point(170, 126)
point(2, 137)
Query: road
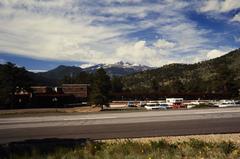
point(121, 125)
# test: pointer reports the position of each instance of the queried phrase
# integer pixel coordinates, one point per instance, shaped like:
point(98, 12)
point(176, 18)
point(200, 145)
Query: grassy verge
point(205, 106)
point(119, 149)
point(47, 111)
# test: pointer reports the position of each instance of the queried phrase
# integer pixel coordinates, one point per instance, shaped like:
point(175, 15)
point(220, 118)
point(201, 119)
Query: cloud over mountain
point(139, 31)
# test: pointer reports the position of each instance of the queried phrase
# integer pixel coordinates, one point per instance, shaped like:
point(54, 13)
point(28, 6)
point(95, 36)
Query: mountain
point(60, 72)
point(216, 76)
point(219, 75)
point(119, 68)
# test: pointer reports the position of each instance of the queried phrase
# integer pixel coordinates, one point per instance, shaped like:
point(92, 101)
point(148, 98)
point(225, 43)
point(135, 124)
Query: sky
point(42, 34)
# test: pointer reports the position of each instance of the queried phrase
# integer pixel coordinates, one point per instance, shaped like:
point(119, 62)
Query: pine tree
point(12, 78)
point(117, 84)
point(101, 87)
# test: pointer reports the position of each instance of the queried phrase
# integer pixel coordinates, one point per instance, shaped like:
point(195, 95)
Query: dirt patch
point(20, 112)
point(83, 109)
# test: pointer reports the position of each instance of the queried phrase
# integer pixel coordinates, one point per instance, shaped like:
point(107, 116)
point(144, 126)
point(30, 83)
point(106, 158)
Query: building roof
point(74, 85)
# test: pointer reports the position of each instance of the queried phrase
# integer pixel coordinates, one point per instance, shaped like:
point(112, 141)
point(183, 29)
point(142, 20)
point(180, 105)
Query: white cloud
point(33, 4)
point(219, 5)
point(82, 30)
point(138, 52)
point(229, 5)
point(211, 5)
point(164, 44)
point(237, 39)
point(53, 37)
point(217, 9)
point(123, 1)
point(236, 18)
point(215, 53)
point(187, 36)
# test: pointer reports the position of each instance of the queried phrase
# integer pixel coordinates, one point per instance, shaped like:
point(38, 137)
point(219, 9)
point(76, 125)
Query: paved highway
point(121, 125)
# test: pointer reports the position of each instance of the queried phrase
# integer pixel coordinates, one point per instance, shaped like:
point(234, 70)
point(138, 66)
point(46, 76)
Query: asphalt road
point(121, 125)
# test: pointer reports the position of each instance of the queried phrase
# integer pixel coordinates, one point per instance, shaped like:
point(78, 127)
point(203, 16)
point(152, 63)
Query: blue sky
point(42, 34)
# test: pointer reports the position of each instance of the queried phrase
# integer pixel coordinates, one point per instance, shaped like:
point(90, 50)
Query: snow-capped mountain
point(119, 69)
point(116, 69)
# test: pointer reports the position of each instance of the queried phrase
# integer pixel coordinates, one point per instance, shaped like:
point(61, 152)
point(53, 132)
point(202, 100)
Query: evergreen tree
point(177, 86)
point(154, 85)
point(101, 87)
point(67, 80)
point(225, 79)
point(82, 78)
point(12, 79)
point(117, 84)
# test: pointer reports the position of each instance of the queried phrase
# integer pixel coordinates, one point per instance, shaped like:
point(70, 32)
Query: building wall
point(78, 90)
point(41, 89)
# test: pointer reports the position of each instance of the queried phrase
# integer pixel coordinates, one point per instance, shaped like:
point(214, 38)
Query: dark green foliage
point(98, 99)
point(61, 71)
point(161, 144)
point(117, 84)
point(196, 144)
point(12, 79)
point(100, 88)
point(202, 105)
point(76, 149)
point(80, 78)
point(227, 147)
point(220, 75)
point(154, 85)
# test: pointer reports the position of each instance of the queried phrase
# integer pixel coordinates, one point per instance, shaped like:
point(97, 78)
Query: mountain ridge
point(61, 71)
point(116, 69)
point(221, 74)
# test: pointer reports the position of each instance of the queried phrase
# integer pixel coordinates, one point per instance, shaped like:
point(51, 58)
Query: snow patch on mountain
point(86, 65)
point(119, 64)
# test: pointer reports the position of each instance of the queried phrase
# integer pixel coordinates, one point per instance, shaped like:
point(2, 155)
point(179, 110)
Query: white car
point(155, 106)
point(228, 103)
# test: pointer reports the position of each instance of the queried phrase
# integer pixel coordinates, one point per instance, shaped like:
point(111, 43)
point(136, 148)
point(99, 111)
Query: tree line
point(101, 85)
point(12, 79)
point(15, 79)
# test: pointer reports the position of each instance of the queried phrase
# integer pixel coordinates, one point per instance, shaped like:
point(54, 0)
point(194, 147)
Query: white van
point(174, 102)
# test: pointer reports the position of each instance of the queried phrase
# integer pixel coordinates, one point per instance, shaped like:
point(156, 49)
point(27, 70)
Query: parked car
point(142, 103)
point(131, 104)
point(174, 103)
point(228, 103)
point(189, 106)
point(154, 106)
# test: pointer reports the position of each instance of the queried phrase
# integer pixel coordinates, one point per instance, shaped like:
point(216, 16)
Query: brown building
point(45, 96)
point(78, 90)
point(41, 89)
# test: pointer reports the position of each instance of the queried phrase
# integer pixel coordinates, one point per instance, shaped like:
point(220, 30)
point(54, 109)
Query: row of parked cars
point(170, 103)
point(228, 103)
point(175, 103)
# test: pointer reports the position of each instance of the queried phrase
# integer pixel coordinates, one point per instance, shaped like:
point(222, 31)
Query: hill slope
point(220, 75)
point(61, 71)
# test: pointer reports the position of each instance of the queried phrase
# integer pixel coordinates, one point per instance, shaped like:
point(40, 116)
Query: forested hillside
point(220, 75)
